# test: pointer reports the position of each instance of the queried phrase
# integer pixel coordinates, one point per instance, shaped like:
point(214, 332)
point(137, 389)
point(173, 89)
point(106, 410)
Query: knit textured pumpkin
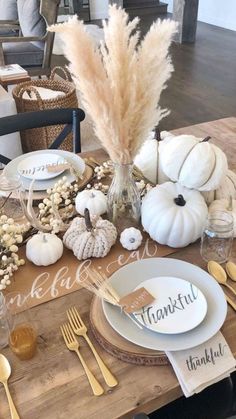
point(90, 237)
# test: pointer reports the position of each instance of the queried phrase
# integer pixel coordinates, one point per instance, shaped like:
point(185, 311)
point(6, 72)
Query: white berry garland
point(11, 235)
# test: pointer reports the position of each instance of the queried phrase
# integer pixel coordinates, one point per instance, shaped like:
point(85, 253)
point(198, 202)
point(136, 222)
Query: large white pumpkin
point(227, 206)
point(193, 162)
point(44, 249)
point(226, 189)
point(173, 214)
point(148, 158)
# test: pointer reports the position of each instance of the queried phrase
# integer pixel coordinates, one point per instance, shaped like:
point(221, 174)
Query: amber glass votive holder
point(22, 334)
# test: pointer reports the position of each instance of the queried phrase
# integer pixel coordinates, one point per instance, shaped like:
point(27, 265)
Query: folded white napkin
point(202, 366)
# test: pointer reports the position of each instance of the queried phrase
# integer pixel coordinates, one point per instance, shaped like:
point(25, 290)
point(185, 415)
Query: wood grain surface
point(53, 385)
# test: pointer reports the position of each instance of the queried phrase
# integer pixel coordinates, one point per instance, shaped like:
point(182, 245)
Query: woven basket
point(41, 138)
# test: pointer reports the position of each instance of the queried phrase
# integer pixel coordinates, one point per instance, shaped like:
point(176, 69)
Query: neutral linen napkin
point(202, 366)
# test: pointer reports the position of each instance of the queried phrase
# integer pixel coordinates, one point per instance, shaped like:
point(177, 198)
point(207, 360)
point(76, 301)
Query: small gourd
point(90, 237)
point(131, 238)
point(44, 249)
point(94, 200)
point(226, 189)
point(225, 205)
point(193, 162)
point(173, 214)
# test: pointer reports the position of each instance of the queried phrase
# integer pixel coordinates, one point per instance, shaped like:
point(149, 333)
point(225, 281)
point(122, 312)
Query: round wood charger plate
point(116, 345)
point(87, 176)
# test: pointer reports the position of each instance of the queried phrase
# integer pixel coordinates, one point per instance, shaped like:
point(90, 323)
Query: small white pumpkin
point(94, 200)
point(44, 249)
point(193, 162)
point(131, 238)
point(90, 237)
point(173, 214)
point(226, 189)
point(225, 205)
point(148, 158)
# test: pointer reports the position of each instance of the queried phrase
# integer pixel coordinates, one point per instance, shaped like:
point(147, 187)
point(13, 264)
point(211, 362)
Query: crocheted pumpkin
point(89, 238)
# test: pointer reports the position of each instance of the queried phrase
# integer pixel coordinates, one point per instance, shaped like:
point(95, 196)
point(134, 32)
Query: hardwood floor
point(203, 86)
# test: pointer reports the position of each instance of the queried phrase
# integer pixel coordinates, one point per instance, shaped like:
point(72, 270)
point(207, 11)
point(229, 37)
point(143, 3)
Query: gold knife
point(230, 302)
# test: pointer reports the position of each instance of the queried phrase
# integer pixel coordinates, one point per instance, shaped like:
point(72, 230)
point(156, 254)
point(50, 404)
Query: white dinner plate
point(179, 306)
point(130, 276)
point(35, 166)
point(42, 185)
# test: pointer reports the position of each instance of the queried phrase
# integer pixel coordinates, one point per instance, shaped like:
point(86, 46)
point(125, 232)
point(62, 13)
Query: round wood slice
point(116, 345)
point(87, 176)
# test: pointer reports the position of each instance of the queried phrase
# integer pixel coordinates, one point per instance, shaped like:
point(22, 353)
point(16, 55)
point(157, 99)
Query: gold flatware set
point(221, 275)
point(77, 327)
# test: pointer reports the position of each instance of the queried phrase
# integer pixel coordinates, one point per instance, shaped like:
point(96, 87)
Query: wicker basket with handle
point(41, 138)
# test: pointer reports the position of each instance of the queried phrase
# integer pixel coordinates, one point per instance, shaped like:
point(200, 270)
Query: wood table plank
point(53, 384)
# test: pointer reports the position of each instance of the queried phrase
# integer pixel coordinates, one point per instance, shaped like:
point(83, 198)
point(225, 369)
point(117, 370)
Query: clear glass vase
point(124, 203)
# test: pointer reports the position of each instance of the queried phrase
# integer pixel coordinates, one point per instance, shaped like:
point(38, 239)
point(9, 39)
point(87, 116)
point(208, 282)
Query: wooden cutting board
point(116, 345)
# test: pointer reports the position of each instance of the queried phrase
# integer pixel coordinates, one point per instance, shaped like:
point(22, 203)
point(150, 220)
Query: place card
point(57, 167)
point(136, 300)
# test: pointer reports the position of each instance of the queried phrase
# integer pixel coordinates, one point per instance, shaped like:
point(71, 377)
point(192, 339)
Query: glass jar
point(217, 237)
point(124, 203)
point(11, 195)
point(5, 322)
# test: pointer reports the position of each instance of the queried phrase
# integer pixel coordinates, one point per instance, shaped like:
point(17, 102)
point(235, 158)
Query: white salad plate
point(35, 166)
point(42, 185)
point(179, 306)
point(132, 275)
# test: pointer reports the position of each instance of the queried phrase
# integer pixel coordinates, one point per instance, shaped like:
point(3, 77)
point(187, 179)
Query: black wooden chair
point(71, 118)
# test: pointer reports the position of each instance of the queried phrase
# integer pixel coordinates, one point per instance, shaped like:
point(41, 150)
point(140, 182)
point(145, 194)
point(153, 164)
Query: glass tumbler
point(22, 334)
point(5, 322)
point(217, 237)
point(11, 196)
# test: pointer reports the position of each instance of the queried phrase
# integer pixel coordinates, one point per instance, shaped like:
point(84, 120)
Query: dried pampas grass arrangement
point(120, 81)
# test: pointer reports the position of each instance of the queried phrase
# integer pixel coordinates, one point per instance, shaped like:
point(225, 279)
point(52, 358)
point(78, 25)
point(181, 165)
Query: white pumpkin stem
point(87, 219)
point(157, 134)
point(44, 238)
point(180, 200)
point(206, 139)
point(230, 206)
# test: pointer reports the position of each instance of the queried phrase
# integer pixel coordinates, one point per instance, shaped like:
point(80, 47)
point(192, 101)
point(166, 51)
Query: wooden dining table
point(53, 385)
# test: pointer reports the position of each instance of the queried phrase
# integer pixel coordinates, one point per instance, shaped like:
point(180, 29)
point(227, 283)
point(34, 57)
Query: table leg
point(185, 13)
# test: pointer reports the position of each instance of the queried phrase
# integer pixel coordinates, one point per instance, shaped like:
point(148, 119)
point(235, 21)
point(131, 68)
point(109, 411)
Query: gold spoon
point(219, 274)
point(231, 270)
point(5, 372)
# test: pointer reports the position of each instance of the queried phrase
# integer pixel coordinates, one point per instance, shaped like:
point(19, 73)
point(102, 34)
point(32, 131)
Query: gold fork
point(80, 329)
point(73, 345)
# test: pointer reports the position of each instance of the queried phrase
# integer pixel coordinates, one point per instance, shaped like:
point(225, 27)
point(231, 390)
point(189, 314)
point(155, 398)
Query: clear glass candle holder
point(217, 237)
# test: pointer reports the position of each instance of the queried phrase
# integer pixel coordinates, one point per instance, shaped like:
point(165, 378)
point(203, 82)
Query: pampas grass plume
point(121, 80)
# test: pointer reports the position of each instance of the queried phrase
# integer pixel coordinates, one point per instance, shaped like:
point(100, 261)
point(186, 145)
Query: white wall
point(216, 12)
point(99, 9)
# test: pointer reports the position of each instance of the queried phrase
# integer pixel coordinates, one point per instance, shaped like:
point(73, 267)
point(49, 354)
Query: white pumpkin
point(226, 189)
point(44, 249)
point(225, 205)
point(173, 214)
point(94, 200)
point(89, 238)
point(193, 162)
point(131, 238)
point(148, 158)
